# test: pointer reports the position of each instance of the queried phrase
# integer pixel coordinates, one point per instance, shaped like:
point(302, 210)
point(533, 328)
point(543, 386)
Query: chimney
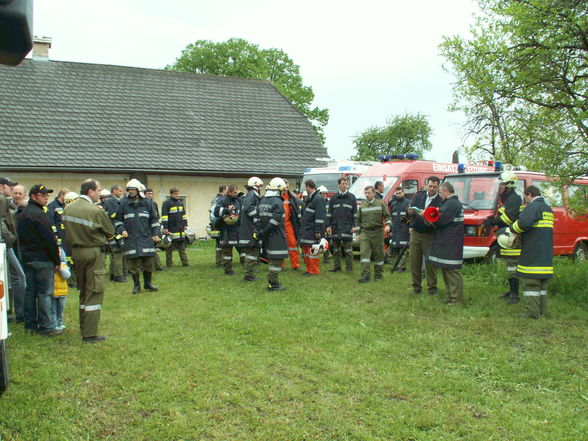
point(41, 46)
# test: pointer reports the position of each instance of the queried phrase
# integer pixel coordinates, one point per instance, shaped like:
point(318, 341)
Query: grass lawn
point(214, 358)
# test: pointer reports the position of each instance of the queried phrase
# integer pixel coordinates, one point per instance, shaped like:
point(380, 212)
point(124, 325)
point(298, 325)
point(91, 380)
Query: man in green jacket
point(88, 230)
point(371, 217)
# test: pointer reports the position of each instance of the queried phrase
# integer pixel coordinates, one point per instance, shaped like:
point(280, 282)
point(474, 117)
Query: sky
point(365, 61)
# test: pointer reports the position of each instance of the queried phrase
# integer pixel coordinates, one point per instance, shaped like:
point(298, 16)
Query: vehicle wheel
point(492, 254)
point(4, 376)
point(580, 252)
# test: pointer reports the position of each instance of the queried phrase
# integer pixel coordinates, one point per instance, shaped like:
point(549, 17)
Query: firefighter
point(175, 221)
point(447, 244)
point(229, 209)
point(292, 210)
point(508, 213)
point(55, 213)
point(116, 268)
point(137, 222)
point(343, 213)
point(88, 232)
point(159, 245)
point(312, 228)
point(215, 224)
point(371, 218)
point(399, 234)
point(248, 219)
point(323, 191)
point(421, 236)
point(271, 230)
point(535, 265)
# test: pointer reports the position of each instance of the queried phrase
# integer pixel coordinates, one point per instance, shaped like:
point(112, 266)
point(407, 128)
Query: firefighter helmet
point(136, 184)
point(70, 197)
point(190, 236)
point(104, 193)
point(319, 248)
point(166, 241)
point(322, 189)
point(508, 178)
point(254, 181)
point(507, 238)
point(277, 184)
point(231, 219)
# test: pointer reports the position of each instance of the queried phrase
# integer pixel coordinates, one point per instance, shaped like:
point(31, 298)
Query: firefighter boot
point(543, 305)
point(514, 291)
point(147, 281)
point(532, 307)
point(275, 286)
point(136, 284)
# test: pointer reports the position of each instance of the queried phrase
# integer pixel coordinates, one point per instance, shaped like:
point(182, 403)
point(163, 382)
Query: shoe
point(147, 281)
point(185, 264)
point(120, 279)
point(434, 293)
point(378, 277)
point(276, 287)
point(505, 296)
point(170, 266)
point(513, 300)
point(415, 291)
point(229, 272)
point(250, 278)
point(52, 333)
point(112, 277)
point(335, 270)
point(296, 269)
point(136, 284)
point(160, 269)
point(401, 270)
point(94, 339)
point(348, 270)
point(363, 279)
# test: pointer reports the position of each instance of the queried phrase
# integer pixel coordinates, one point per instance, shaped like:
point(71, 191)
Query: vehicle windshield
point(364, 181)
point(329, 180)
point(476, 192)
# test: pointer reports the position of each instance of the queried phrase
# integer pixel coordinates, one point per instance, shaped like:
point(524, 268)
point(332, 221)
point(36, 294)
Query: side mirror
point(16, 27)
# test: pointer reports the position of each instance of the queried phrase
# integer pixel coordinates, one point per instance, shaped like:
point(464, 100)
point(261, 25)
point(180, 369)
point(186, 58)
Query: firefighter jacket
point(7, 223)
point(293, 211)
point(139, 219)
point(535, 225)
point(399, 233)
point(342, 215)
point(512, 205)
point(111, 207)
point(447, 244)
point(87, 224)
point(271, 221)
point(229, 234)
point(313, 220)
point(372, 216)
point(36, 239)
point(55, 214)
point(420, 200)
point(248, 219)
point(173, 218)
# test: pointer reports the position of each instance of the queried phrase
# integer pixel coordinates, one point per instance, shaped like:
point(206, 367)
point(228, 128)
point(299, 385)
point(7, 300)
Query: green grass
point(211, 357)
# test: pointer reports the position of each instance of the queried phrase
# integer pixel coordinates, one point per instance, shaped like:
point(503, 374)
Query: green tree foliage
point(402, 134)
point(522, 81)
point(239, 58)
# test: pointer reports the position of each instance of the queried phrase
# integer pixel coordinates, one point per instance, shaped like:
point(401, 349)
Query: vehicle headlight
point(471, 230)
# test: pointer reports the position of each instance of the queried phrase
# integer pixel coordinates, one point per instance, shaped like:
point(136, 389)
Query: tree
point(402, 134)
point(239, 58)
point(522, 81)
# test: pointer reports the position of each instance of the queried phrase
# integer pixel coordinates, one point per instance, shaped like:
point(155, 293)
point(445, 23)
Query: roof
point(78, 116)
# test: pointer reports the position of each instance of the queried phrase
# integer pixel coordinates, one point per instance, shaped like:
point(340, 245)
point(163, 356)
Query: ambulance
point(479, 194)
point(328, 176)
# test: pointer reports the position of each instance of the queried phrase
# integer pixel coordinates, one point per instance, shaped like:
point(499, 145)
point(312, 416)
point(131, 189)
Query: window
point(551, 193)
point(410, 187)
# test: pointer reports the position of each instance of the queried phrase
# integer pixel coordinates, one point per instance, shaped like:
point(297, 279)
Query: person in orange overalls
point(292, 226)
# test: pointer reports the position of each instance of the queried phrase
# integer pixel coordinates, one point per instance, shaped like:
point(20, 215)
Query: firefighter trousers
point(179, 245)
point(535, 293)
point(343, 249)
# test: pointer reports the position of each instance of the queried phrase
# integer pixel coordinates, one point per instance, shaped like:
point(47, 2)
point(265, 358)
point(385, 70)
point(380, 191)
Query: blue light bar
point(461, 168)
point(307, 170)
point(498, 166)
point(412, 156)
point(345, 168)
point(384, 158)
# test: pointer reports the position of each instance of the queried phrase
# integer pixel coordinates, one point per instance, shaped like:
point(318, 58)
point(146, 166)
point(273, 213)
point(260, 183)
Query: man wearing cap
point(8, 226)
point(40, 258)
point(88, 231)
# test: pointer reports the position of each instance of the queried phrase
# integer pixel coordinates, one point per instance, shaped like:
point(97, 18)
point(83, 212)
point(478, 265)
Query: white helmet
point(70, 197)
point(319, 248)
point(254, 182)
point(507, 239)
point(136, 184)
point(508, 178)
point(277, 184)
point(322, 189)
point(104, 193)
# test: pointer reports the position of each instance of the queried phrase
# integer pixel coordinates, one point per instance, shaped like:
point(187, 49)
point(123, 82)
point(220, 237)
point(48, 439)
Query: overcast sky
point(366, 61)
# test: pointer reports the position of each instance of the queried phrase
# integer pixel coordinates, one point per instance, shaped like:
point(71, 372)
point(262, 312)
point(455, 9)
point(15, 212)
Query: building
point(63, 122)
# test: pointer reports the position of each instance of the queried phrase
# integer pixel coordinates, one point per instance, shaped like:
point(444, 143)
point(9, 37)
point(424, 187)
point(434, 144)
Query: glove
point(490, 221)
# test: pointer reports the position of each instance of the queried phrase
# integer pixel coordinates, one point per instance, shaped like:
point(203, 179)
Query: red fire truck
point(478, 192)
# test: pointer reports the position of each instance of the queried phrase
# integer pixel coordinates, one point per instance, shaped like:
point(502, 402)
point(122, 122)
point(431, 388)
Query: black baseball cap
point(7, 181)
point(39, 188)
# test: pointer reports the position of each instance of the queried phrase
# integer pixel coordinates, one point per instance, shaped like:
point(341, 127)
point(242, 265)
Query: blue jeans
point(37, 301)
point(18, 284)
point(57, 308)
